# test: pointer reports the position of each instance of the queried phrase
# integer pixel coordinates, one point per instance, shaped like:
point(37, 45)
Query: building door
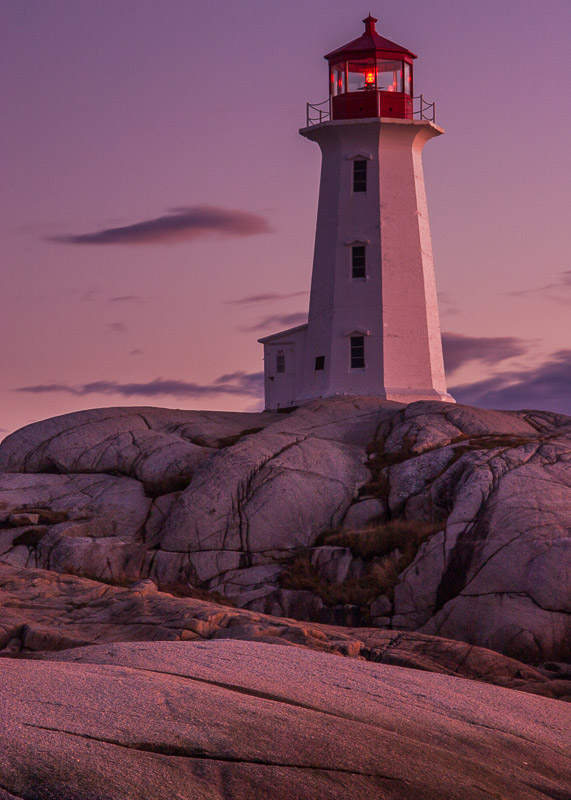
point(281, 377)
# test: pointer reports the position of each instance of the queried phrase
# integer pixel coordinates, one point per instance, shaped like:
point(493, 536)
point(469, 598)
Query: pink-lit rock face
point(261, 509)
point(46, 611)
point(249, 720)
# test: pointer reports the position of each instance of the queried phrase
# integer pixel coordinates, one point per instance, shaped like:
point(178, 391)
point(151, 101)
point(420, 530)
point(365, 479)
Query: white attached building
point(373, 326)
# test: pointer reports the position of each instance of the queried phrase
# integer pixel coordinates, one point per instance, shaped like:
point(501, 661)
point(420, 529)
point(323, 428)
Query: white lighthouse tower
point(373, 326)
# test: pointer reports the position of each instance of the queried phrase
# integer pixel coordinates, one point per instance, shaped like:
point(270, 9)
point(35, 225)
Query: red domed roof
point(368, 45)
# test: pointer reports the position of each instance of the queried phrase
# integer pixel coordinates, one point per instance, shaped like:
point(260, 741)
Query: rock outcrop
point(43, 611)
point(224, 719)
point(437, 518)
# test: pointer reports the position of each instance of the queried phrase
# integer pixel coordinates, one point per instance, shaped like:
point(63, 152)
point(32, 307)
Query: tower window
point(358, 261)
point(280, 361)
point(319, 363)
point(359, 176)
point(357, 352)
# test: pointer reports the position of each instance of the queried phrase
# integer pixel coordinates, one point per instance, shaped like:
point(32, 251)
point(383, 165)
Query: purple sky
point(158, 205)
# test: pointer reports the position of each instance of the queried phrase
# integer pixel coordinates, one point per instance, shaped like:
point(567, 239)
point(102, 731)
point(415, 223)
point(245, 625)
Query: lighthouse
point(373, 326)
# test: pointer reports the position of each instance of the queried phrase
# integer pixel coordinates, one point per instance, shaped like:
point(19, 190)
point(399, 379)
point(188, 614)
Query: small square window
point(358, 261)
point(357, 352)
point(319, 363)
point(280, 362)
point(359, 176)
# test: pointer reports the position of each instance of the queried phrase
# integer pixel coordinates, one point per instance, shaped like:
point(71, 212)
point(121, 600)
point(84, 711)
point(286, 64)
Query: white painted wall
point(282, 389)
point(395, 307)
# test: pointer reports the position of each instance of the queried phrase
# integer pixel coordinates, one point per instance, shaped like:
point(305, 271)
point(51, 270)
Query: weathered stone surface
point(103, 521)
point(495, 487)
point(118, 504)
point(499, 575)
point(42, 610)
point(363, 512)
point(241, 719)
point(159, 447)
point(425, 426)
point(415, 593)
point(277, 490)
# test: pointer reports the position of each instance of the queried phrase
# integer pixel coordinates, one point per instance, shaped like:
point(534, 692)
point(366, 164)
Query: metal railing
point(424, 110)
point(317, 113)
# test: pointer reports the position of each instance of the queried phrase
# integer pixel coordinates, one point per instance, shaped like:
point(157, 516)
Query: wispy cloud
point(249, 382)
point(544, 387)
point(253, 299)
point(558, 291)
point(117, 327)
point(180, 224)
point(95, 294)
point(128, 298)
point(277, 321)
point(235, 383)
point(459, 349)
point(136, 352)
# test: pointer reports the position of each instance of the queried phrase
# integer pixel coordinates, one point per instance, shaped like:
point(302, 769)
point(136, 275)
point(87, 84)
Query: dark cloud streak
point(546, 387)
point(181, 224)
point(262, 298)
point(277, 321)
point(459, 349)
point(557, 290)
point(127, 298)
point(236, 383)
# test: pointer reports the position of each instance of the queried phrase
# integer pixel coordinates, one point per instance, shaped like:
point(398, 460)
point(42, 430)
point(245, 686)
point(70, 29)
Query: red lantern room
point(371, 77)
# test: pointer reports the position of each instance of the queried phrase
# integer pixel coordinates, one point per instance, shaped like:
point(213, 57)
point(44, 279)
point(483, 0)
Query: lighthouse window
point(280, 361)
point(357, 352)
point(319, 362)
point(358, 261)
point(359, 176)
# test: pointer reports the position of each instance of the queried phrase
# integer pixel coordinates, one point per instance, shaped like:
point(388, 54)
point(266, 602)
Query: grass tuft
point(387, 548)
point(383, 538)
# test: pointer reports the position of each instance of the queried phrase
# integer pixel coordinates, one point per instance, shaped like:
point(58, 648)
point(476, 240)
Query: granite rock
point(223, 502)
point(223, 719)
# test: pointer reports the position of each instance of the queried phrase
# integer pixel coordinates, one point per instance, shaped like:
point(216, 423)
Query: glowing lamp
point(370, 77)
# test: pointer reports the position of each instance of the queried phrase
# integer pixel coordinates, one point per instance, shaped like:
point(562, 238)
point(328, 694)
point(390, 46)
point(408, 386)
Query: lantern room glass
point(361, 75)
point(338, 79)
point(370, 74)
point(389, 75)
point(408, 78)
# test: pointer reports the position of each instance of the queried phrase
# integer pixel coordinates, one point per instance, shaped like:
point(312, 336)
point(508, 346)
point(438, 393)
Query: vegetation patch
point(500, 440)
point(379, 579)
point(380, 460)
point(383, 538)
point(387, 550)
